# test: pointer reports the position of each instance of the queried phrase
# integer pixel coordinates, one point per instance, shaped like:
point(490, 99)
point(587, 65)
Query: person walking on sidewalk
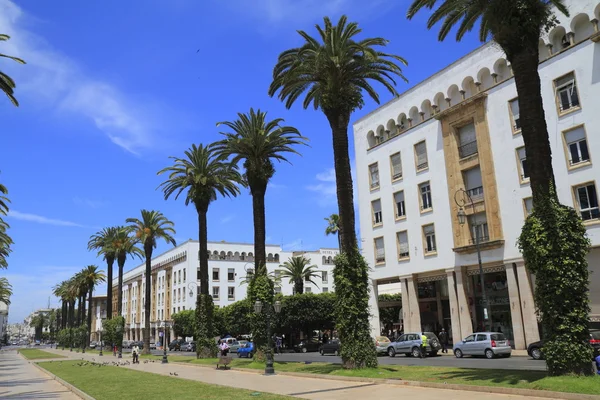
point(444, 340)
point(224, 348)
point(135, 351)
point(423, 345)
point(278, 344)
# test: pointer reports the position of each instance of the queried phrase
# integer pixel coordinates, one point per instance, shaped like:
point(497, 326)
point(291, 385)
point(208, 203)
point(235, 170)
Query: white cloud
point(227, 218)
point(58, 82)
point(41, 219)
point(293, 245)
point(88, 202)
point(325, 188)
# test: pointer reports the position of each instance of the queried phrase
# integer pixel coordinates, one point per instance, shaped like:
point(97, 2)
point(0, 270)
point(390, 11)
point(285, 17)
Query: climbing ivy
point(205, 343)
point(555, 246)
point(351, 277)
point(260, 288)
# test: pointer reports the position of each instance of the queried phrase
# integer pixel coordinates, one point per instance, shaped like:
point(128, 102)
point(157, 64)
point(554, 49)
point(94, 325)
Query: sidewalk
point(302, 387)
point(21, 380)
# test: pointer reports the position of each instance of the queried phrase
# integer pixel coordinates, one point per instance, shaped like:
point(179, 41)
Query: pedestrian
point(423, 345)
point(444, 340)
point(135, 350)
point(278, 344)
point(224, 348)
point(325, 338)
point(597, 359)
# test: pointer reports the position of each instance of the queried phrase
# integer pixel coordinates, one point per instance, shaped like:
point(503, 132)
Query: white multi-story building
point(175, 280)
point(3, 320)
point(460, 130)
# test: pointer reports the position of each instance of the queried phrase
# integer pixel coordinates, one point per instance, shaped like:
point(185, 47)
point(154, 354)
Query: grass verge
point(109, 383)
point(35, 354)
point(537, 380)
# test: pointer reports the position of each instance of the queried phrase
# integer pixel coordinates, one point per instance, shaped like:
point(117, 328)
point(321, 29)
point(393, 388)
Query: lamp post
point(164, 338)
point(462, 219)
point(100, 336)
point(119, 329)
point(258, 308)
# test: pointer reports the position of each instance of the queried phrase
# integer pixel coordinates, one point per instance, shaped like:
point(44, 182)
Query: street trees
point(103, 242)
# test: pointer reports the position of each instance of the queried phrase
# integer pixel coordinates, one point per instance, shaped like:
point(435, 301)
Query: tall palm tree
point(81, 289)
point(103, 241)
point(5, 239)
point(91, 277)
point(59, 291)
point(204, 175)
point(124, 245)
point(516, 26)
point(71, 292)
point(333, 71)
point(7, 85)
point(257, 142)
point(333, 228)
point(5, 291)
point(152, 226)
point(38, 323)
point(299, 271)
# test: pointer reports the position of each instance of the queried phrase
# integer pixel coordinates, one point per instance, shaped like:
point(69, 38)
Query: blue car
point(247, 351)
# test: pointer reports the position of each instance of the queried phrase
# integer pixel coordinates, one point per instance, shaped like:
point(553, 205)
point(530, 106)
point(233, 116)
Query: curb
point(432, 385)
point(71, 388)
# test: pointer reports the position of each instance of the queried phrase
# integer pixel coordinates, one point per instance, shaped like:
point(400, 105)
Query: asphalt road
point(513, 363)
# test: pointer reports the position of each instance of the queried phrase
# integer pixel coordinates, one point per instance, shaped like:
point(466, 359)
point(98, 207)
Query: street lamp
point(164, 339)
point(258, 308)
point(462, 219)
point(100, 336)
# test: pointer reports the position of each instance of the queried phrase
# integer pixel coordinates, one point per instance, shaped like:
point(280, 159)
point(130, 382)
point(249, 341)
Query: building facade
point(98, 314)
point(458, 133)
point(3, 321)
point(175, 281)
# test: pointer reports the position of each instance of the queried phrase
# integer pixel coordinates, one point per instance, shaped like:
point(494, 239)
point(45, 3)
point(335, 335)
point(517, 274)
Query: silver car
point(488, 344)
point(409, 344)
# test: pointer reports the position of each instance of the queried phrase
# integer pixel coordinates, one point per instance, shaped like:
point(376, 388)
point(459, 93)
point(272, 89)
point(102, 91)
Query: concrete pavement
point(20, 380)
point(301, 387)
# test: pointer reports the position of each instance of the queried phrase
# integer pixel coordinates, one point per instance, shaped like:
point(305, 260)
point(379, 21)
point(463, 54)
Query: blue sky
point(113, 88)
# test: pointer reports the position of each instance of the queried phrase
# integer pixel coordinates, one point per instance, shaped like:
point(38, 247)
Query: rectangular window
point(308, 289)
point(479, 228)
point(324, 276)
point(588, 201)
point(396, 164)
point(400, 206)
point(524, 170)
point(474, 183)
point(425, 190)
point(429, 234)
point(566, 92)
point(379, 251)
point(183, 277)
point(325, 290)
point(374, 176)
point(377, 215)
point(231, 274)
point(467, 139)
point(215, 292)
point(179, 277)
point(231, 293)
point(421, 156)
point(577, 146)
point(178, 295)
point(528, 205)
point(515, 115)
point(183, 308)
point(215, 274)
point(403, 250)
point(277, 289)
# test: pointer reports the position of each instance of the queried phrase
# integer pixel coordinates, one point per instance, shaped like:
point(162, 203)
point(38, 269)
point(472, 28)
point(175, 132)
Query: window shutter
point(467, 134)
point(421, 150)
point(396, 166)
point(575, 135)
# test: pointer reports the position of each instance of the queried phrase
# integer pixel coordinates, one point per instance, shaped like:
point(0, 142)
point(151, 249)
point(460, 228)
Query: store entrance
point(434, 306)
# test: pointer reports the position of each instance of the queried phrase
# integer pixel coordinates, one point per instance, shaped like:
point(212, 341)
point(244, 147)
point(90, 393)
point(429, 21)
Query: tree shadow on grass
point(497, 377)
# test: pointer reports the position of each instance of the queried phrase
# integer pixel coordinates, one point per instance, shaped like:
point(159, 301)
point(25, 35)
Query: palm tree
point(333, 228)
point(81, 291)
point(7, 85)
point(103, 241)
point(204, 175)
point(59, 291)
point(299, 271)
point(5, 240)
point(333, 71)
point(71, 293)
point(38, 322)
point(91, 277)
point(5, 291)
point(124, 245)
point(258, 142)
point(152, 226)
point(516, 26)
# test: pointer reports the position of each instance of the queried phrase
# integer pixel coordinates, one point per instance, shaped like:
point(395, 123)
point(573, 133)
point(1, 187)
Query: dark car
point(331, 347)
point(535, 349)
point(307, 346)
point(176, 344)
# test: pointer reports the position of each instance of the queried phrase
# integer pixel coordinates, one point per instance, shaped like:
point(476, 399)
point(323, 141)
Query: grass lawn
point(465, 376)
point(35, 354)
point(111, 383)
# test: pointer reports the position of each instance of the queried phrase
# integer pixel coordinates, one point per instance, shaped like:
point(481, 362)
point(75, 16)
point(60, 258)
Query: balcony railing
point(482, 239)
point(476, 193)
point(397, 176)
point(422, 165)
point(468, 149)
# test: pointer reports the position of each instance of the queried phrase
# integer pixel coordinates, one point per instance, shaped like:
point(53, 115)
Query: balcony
point(467, 149)
point(482, 239)
point(476, 194)
point(422, 165)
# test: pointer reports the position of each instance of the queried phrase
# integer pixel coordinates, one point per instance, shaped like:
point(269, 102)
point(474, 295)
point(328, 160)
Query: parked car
point(307, 345)
point(381, 344)
point(233, 344)
point(247, 351)
point(139, 344)
point(176, 344)
point(93, 344)
point(152, 346)
point(188, 346)
point(127, 344)
point(488, 344)
point(409, 344)
point(535, 349)
point(242, 343)
point(331, 347)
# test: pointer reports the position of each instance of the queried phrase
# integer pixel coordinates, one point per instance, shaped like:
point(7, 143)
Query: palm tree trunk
point(79, 311)
point(63, 315)
point(121, 264)
point(83, 308)
point(339, 125)
point(533, 125)
point(89, 317)
point(258, 210)
point(109, 290)
point(203, 256)
point(72, 314)
point(299, 286)
point(148, 252)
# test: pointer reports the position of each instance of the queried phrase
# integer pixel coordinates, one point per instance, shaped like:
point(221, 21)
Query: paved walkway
point(306, 388)
point(21, 380)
